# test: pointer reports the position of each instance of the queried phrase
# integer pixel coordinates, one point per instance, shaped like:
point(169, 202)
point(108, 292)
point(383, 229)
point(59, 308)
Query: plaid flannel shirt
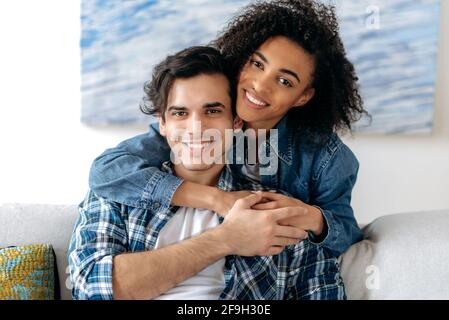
point(105, 229)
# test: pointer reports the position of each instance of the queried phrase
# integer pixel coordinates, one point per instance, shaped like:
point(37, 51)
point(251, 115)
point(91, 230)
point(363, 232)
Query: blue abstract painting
point(392, 43)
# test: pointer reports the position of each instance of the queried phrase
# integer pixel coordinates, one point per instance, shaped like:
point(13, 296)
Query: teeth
point(197, 145)
point(254, 100)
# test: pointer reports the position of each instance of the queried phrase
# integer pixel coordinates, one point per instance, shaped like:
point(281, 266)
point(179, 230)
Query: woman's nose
point(261, 84)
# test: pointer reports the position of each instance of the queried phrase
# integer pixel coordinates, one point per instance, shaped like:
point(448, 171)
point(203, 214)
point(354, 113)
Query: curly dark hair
point(186, 63)
point(337, 102)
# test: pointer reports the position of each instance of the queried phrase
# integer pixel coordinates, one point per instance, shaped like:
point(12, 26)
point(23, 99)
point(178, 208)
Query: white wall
point(46, 152)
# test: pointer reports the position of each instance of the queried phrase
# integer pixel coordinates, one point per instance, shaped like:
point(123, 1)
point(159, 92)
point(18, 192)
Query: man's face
point(198, 113)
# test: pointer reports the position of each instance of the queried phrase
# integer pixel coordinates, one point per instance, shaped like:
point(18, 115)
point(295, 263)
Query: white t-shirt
point(208, 283)
point(251, 171)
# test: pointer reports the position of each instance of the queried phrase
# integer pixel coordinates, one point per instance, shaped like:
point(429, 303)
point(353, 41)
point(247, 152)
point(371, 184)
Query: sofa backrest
point(403, 256)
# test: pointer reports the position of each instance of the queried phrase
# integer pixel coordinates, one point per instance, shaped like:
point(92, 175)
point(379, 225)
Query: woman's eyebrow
point(283, 70)
point(292, 73)
point(261, 56)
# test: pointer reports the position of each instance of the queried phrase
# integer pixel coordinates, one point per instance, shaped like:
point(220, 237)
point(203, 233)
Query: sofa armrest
point(402, 256)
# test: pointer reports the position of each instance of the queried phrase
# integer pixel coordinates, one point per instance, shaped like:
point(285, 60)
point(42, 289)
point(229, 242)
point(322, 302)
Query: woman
point(293, 76)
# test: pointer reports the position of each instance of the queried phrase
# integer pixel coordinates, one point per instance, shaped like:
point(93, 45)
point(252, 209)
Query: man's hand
point(308, 218)
point(249, 232)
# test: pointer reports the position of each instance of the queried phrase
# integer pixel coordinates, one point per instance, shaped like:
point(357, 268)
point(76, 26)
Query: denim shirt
point(320, 175)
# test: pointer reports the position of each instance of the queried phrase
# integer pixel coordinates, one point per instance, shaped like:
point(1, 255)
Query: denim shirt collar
point(284, 141)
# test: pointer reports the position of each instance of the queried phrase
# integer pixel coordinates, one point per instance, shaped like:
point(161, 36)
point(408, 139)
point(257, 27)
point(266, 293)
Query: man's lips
point(253, 101)
point(197, 145)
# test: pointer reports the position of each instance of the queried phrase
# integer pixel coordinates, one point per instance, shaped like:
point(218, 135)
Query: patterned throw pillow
point(28, 273)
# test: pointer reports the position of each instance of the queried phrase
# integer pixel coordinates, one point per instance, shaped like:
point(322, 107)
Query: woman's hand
point(311, 218)
point(248, 232)
point(225, 200)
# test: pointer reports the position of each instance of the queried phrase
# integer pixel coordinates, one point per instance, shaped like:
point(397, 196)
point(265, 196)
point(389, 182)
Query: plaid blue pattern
point(105, 229)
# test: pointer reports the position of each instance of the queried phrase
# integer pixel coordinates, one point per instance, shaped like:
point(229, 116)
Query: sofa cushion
point(28, 273)
point(23, 224)
point(403, 256)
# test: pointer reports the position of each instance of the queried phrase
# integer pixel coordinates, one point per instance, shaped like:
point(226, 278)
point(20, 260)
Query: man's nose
point(194, 125)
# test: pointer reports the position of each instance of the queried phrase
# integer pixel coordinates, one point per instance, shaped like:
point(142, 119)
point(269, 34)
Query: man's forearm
point(146, 275)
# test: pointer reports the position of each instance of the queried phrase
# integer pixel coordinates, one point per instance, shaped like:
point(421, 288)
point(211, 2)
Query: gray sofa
point(403, 256)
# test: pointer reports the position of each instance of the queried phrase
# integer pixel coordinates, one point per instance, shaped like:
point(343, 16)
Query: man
point(119, 251)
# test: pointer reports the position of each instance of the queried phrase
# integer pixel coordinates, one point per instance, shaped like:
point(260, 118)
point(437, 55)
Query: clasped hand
point(263, 223)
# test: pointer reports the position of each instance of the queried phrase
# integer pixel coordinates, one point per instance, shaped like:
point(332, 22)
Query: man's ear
point(161, 125)
point(305, 97)
point(238, 123)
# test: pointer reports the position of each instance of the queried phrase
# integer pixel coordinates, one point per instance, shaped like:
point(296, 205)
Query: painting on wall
point(121, 41)
point(393, 45)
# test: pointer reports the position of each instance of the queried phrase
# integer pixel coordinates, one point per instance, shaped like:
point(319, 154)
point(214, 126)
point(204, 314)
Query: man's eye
point(179, 113)
point(256, 63)
point(213, 111)
point(285, 82)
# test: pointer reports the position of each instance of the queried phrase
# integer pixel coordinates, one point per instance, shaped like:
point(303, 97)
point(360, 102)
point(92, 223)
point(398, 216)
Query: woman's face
point(276, 78)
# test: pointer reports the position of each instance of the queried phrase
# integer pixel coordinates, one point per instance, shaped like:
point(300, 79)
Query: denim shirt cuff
point(330, 231)
point(159, 191)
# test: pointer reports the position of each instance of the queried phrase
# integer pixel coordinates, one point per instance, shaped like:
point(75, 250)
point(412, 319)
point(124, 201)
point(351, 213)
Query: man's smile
point(197, 145)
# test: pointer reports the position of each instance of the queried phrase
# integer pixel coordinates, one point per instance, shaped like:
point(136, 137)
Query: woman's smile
point(253, 101)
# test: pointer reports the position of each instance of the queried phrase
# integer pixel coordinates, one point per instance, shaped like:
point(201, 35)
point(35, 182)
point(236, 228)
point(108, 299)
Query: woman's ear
point(305, 97)
point(238, 123)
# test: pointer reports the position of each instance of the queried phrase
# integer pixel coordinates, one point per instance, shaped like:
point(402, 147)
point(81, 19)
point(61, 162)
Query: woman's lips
point(254, 102)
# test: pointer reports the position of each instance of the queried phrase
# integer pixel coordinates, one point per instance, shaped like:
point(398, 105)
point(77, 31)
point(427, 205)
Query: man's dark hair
point(336, 103)
point(187, 63)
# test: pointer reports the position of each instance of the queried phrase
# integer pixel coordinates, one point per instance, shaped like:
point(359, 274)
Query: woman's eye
point(256, 63)
point(285, 82)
